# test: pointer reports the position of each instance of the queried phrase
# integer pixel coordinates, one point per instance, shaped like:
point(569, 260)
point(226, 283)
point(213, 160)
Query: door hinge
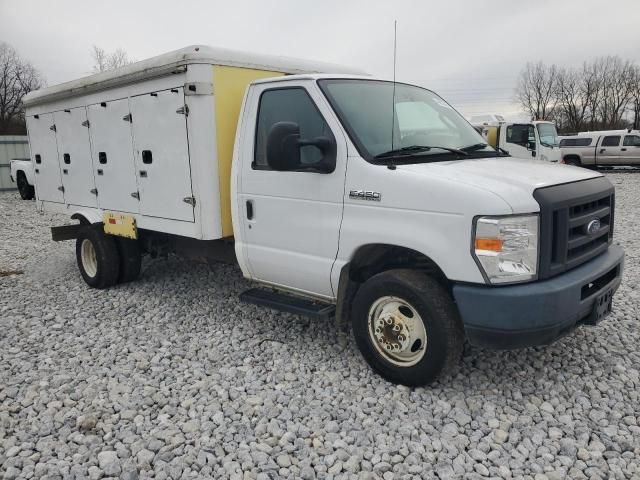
point(94, 191)
point(53, 127)
point(190, 200)
point(184, 110)
point(61, 188)
point(128, 118)
point(85, 123)
point(136, 195)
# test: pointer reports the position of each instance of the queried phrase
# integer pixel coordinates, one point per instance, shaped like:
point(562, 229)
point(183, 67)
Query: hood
point(512, 179)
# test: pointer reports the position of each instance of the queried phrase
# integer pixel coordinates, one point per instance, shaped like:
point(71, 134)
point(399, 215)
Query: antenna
point(393, 99)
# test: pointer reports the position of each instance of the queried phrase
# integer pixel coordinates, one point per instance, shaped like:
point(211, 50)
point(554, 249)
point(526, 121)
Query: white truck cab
point(535, 139)
point(338, 194)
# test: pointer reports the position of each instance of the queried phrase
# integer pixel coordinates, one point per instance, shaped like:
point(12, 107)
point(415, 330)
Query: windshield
point(548, 134)
point(422, 118)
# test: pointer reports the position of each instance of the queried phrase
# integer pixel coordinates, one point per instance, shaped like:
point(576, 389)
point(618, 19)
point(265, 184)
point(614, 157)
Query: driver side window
point(289, 105)
point(523, 135)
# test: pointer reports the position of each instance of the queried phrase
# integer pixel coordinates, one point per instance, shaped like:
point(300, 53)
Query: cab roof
point(176, 60)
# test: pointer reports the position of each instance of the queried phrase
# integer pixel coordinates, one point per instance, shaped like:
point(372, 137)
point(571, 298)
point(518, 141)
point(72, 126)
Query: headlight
point(506, 248)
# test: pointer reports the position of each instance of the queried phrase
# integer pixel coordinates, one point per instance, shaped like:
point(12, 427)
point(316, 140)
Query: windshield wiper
point(474, 147)
point(415, 149)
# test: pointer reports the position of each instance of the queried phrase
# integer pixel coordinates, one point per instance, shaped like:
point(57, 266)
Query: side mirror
point(533, 153)
point(283, 150)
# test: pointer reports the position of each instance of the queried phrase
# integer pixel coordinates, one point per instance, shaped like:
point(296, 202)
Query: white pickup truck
point(415, 230)
point(22, 174)
point(606, 148)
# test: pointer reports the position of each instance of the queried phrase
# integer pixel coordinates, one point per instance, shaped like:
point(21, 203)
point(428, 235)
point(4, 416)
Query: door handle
point(602, 150)
point(249, 209)
point(623, 149)
point(143, 173)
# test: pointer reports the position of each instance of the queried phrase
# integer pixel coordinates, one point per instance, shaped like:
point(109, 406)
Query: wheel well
point(20, 173)
point(81, 218)
point(369, 260)
point(572, 157)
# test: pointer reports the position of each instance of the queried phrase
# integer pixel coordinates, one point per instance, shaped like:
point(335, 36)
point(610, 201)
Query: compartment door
point(74, 154)
point(162, 154)
point(114, 168)
point(44, 155)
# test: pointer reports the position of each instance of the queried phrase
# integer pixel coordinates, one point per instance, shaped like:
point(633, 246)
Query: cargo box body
point(153, 139)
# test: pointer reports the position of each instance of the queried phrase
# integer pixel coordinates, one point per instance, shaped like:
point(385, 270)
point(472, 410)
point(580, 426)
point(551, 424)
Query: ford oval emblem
point(593, 227)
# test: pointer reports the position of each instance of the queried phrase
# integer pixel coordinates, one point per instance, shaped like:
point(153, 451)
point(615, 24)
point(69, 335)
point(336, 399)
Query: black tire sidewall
point(23, 186)
point(107, 258)
point(430, 300)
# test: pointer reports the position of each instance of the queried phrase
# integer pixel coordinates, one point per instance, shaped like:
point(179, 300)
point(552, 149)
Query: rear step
point(288, 303)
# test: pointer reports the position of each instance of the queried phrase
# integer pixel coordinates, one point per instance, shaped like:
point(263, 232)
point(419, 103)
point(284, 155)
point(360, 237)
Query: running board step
point(288, 303)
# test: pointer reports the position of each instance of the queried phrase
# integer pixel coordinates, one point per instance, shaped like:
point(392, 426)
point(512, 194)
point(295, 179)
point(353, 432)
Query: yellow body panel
point(120, 225)
point(229, 86)
point(492, 136)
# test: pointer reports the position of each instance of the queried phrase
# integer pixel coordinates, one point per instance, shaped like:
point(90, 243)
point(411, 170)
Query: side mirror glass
point(283, 150)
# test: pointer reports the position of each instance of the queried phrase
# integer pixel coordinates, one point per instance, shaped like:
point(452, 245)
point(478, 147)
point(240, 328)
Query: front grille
point(565, 213)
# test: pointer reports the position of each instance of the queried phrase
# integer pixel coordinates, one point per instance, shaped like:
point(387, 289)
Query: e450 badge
point(365, 195)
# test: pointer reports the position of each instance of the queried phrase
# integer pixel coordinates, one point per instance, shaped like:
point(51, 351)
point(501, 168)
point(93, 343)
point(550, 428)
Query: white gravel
point(171, 377)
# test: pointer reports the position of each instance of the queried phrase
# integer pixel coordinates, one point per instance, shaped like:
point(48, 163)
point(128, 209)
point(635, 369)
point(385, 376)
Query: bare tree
point(17, 78)
point(616, 89)
point(536, 90)
point(635, 96)
point(104, 61)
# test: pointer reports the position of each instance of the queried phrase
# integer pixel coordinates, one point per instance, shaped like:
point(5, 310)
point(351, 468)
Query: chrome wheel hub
point(397, 331)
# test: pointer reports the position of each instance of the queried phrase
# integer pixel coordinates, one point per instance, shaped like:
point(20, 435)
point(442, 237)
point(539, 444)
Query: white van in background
point(537, 139)
point(607, 148)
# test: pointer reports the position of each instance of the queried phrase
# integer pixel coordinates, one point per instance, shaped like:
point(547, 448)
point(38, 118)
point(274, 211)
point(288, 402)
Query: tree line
point(19, 77)
point(603, 94)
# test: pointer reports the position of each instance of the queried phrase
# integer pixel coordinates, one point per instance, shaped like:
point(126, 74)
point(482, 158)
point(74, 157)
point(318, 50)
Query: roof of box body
point(166, 62)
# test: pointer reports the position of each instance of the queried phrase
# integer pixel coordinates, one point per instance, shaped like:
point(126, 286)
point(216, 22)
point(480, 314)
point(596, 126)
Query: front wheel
point(407, 327)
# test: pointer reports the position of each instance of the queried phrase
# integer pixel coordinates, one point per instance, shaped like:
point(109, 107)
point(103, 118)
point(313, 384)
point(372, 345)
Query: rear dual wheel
point(407, 327)
point(105, 260)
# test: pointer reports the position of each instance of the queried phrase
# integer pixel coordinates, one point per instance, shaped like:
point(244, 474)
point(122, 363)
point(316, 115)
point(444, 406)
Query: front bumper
point(537, 313)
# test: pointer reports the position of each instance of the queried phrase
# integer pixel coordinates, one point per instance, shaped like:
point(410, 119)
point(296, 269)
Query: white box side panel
point(44, 155)
point(74, 156)
point(112, 150)
point(161, 154)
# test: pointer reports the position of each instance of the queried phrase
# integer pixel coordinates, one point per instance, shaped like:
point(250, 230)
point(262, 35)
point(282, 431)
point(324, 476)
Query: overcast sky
point(469, 51)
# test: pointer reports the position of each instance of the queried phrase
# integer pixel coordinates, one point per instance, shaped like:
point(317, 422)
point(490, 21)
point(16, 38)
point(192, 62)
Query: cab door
point(608, 152)
point(520, 140)
point(630, 151)
point(74, 154)
point(291, 219)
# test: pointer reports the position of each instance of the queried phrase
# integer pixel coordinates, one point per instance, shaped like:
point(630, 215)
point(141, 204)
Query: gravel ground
point(171, 377)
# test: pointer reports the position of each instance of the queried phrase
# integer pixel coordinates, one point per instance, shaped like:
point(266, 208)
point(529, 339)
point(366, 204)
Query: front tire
point(97, 257)
point(407, 327)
